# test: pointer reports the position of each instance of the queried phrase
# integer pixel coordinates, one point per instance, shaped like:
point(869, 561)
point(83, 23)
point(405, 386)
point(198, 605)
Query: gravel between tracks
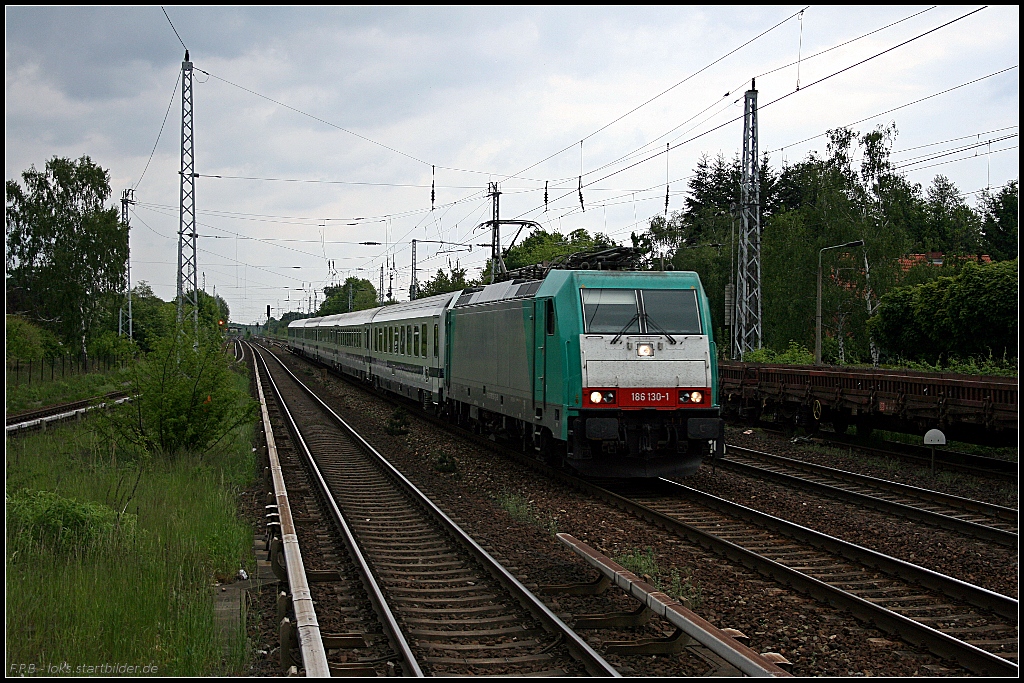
point(818, 639)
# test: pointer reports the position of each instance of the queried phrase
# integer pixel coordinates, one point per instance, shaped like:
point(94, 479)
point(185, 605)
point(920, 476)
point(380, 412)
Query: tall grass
point(137, 594)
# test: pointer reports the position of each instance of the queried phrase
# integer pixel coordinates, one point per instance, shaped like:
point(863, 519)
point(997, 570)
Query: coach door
point(541, 312)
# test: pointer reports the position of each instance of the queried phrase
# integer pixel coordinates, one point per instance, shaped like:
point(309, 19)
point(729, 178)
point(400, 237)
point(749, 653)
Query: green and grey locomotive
point(612, 373)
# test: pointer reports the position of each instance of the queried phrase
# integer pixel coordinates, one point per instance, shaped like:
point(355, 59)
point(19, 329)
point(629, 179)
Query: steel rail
point(60, 417)
point(392, 629)
point(982, 531)
point(968, 463)
point(591, 660)
point(314, 657)
point(941, 644)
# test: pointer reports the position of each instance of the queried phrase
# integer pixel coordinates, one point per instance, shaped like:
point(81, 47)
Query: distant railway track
point(955, 620)
point(973, 518)
point(461, 611)
point(952, 461)
point(56, 409)
point(41, 417)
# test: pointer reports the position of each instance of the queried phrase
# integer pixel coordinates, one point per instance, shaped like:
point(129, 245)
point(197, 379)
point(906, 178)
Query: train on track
point(981, 410)
point(611, 373)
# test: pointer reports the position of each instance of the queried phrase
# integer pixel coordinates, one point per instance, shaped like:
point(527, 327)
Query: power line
point(663, 92)
point(950, 161)
point(902, 106)
point(339, 182)
point(316, 118)
point(963, 137)
point(172, 27)
point(776, 100)
point(930, 156)
point(162, 124)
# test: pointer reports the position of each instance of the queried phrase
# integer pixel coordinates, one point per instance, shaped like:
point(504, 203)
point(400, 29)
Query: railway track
point(461, 612)
point(952, 461)
point(958, 621)
point(955, 620)
point(57, 409)
point(974, 518)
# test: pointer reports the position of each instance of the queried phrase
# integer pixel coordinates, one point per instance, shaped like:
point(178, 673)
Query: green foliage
point(795, 354)
point(26, 340)
point(279, 328)
point(686, 590)
point(541, 246)
point(185, 399)
point(999, 221)
point(640, 562)
point(518, 507)
point(446, 463)
point(398, 423)
point(66, 253)
point(970, 315)
point(364, 296)
point(142, 597)
point(59, 522)
point(445, 282)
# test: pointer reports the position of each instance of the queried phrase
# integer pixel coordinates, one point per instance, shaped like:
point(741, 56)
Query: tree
point(954, 228)
point(999, 222)
point(66, 253)
point(541, 246)
point(336, 298)
point(445, 282)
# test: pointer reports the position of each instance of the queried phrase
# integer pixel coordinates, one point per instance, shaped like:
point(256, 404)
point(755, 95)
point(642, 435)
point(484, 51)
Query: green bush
point(795, 354)
point(25, 340)
point(49, 518)
point(185, 400)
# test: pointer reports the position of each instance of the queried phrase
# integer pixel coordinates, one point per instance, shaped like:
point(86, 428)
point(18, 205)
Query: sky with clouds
point(391, 99)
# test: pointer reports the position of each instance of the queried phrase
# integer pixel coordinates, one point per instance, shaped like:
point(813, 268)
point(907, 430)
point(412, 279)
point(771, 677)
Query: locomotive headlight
point(696, 397)
point(645, 350)
point(595, 397)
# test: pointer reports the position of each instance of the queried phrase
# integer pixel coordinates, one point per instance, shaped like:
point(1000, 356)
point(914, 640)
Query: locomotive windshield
point(673, 311)
point(610, 311)
point(647, 311)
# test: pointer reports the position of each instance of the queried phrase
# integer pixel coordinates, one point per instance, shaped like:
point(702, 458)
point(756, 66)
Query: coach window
point(416, 343)
point(435, 340)
point(401, 341)
point(423, 335)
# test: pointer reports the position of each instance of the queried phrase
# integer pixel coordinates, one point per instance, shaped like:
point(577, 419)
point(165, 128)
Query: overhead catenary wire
point(776, 100)
point(161, 131)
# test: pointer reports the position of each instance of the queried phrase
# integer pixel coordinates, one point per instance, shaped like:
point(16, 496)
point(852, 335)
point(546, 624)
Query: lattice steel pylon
point(127, 199)
point(188, 291)
point(747, 321)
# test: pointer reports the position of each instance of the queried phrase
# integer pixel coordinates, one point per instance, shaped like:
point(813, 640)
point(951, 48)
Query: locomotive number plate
point(646, 397)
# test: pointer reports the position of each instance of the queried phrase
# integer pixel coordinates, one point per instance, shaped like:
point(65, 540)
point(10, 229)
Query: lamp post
point(817, 316)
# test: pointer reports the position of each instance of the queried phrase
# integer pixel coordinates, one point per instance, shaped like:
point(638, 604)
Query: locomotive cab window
point(550, 314)
point(672, 311)
point(610, 311)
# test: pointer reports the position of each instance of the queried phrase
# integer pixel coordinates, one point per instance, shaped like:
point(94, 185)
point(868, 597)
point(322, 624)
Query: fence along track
point(464, 611)
point(962, 515)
